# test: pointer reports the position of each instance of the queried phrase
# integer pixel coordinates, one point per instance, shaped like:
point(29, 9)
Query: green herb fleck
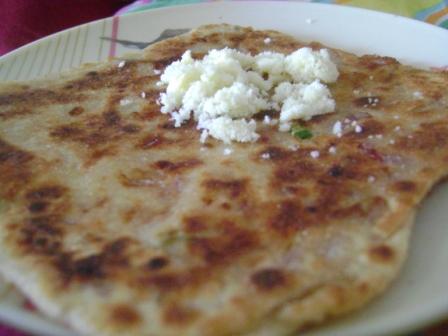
point(302, 133)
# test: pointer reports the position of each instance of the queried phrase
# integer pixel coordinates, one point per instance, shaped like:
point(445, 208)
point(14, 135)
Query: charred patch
point(65, 132)
point(111, 118)
point(194, 224)
point(40, 97)
point(336, 171)
point(370, 102)
point(232, 243)
point(274, 153)
point(12, 156)
point(49, 192)
point(234, 187)
point(169, 166)
point(179, 315)
point(37, 207)
point(405, 186)
point(125, 316)
point(131, 128)
point(269, 279)
point(157, 263)
point(372, 62)
point(76, 111)
point(295, 170)
point(382, 253)
point(289, 218)
point(151, 141)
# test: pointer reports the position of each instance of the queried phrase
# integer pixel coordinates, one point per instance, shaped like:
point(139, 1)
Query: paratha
point(118, 223)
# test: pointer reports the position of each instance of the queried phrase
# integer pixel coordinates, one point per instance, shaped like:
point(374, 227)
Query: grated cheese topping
point(225, 89)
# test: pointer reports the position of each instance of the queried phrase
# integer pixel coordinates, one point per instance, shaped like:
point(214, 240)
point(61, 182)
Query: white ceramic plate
point(419, 296)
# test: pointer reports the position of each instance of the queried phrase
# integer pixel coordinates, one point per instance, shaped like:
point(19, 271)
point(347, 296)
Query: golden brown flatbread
point(119, 223)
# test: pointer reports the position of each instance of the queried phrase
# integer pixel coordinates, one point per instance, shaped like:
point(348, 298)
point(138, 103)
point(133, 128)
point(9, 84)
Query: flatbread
point(118, 223)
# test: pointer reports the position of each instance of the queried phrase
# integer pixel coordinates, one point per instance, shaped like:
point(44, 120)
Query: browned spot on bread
point(371, 126)
point(382, 253)
point(14, 169)
point(76, 111)
point(37, 207)
point(405, 186)
point(275, 153)
point(15, 112)
point(169, 166)
point(157, 263)
point(46, 192)
point(39, 97)
point(291, 171)
point(125, 316)
point(289, 217)
point(372, 62)
point(235, 187)
point(269, 279)
point(370, 101)
point(150, 141)
point(229, 244)
point(179, 315)
point(194, 224)
point(131, 128)
point(111, 118)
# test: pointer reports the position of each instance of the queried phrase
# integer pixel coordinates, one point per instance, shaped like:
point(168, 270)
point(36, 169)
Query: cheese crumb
point(265, 156)
point(337, 128)
point(225, 89)
point(267, 40)
point(227, 151)
point(121, 64)
point(143, 95)
point(358, 129)
point(314, 154)
point(125, 101)
point(371, 179)
point(157, 72)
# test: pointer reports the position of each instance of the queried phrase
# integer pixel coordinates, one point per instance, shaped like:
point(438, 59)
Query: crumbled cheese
point(227, 151)
point(314, 154)
point(303, 101)
point(267, 120)
point(143, 95)
point(204, 136)
point(227, 129)
point(121, 64)
point(397, 128)
point(267, 40)
point(337, 128)
point(371, 179)
point(125, 101)
point(332, 150)
point(418, 95)
point(265, 156)
point(392, 142)
point(157, 72)
point(358, 129)
point(225, 89)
